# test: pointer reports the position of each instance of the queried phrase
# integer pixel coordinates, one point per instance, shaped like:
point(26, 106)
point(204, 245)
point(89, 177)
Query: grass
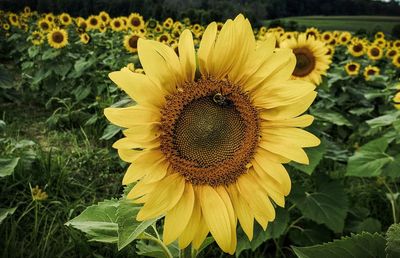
point(350, 23)
point(73, 167)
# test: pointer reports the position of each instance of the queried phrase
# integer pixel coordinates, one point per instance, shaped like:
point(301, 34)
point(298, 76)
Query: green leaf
point(6, 78)
point(110, 131)
point(128, 227)
point(370, 225)
point(81, 92)
point(50, 54)
point(310, 233)
point(384, 120)
point(7, 166)
point(393, 241)
point(151, 249)
point(315, 155)
point(327, 205)
point(5, 212)
point(331, 116)
point(363, 245)
point(392, 169)
point(98, 221)
point(369, 160)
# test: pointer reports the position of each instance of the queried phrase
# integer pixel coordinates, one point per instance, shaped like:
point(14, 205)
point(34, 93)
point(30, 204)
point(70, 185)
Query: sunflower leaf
point(327, 205)
point(369, 160)
point(99, 222)
point(362, 245)
point(7, 166)
point(129, 228)
point(5, 212)
point(393, 241)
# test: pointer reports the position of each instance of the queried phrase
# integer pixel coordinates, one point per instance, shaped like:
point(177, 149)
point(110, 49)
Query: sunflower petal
point(301, 121)
point(289, 151)
point(243, 211)
point(131, 116)
point(206, 47)
point(192, 227)
point(187, 56)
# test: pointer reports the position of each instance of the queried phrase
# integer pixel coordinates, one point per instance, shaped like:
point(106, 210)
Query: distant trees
point(204, 11)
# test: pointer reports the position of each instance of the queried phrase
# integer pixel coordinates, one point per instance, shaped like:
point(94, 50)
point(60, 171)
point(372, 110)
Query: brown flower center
point(117, 24)
point(305, 62)
point(93, 21)
point(135, 21)
point(375, 51)
point(209, 132)
point(57, 37)
point(352, 67)
point(358, 47)
point(44, 26)
point(371, 72)
point(133, 40)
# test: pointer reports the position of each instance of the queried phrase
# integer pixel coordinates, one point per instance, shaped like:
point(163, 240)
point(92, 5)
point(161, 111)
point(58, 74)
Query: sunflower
point(175, 33)
point(131, 42)
point(352, 68)
point(84, 38)
point(44, 25)
point(396, 43)
point(312, 32)
point(391, 52)
point(344, 38)
point(151, 23)
point(37, 38)
point(212, 145)
point(57, 38)
point(396, 60)
point(357, 48)
point(330, 50)
point(326, 37)
point(379, 35)
point(65, 19)
point(164, 38)
point(374, 52)
point(312, 58)
point(93, 22)
point(104, 17)
point(13, 19)
point(159, 28)
point(370, 71)
point(6, 26)
point(117, 24)
point(178, 25)
point(167, 24)
point(82, 26)
point(27, 10)
point(49, 17)
point(135, 21)
point(396, 100)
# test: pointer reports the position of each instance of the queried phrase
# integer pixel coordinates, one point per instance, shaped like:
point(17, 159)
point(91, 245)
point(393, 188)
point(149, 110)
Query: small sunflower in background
point(396, 100)
point(37, 38)
point(330, 50)
point(167, 24)
point(164, 38)
point(50, 17)
point(117, 24)
point(396, 43)
point(380, 42)
point(352, 68)
point(135, 21)
point(396, 60)
point(370, 71)
point(159, 29)
point(212, 146)
point(391, 52)
point(13, 19)
point(65, 19)
point(131, 41)
point(104, 17)
point(151, 23)
point(84, 38)
point(312, 32)
point(82, 26)
point(326, 37)
point(357, 48)
point(379, 35)
point(344, 38)
point(38, 194)
point(312, 59)
point(57, 38)
point(93, 22)
point(374, 52)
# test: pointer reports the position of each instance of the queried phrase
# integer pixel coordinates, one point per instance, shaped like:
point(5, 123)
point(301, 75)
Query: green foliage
point(393, 241)
point(5, 212)
point(7, 166)
point(362, 245)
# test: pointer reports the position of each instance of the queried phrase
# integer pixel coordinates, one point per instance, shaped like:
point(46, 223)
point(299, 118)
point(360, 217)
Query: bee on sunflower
point(57, 38)
point(212, 145)
point(312, 59)
point(352, 68)
point(370, 71)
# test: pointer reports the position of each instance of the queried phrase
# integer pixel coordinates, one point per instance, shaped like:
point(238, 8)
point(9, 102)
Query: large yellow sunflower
point(207, 149)
point(57, 38)
point(311, 55)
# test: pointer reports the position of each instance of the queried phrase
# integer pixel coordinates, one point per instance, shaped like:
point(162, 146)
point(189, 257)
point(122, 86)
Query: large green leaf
point(384, 120)
point(98, 221)
point(369, 160)
point(314, 155)
point(5, 212)
point(393, 241)
point(151, 249)
point(327, 205)
point(7, 166)
point(392, 169)
point(110, 131)
point(363, 245)
point(331, 116)
point(128, 227)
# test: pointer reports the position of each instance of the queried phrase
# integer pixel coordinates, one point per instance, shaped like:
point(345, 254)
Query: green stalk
point(165, 249)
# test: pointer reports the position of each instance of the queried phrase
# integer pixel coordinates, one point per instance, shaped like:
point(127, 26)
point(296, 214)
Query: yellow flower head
point(131, 41)
point(135, 21)
point(370, 71)
point(352, 68)
point(65, 19)
point(357, 48)
point(84, 38)
point(104, 17)
point(396, 100)
point(312, 58)
point(391, 52)
point(13, 19)
point(38, 194)
point(57, 38)
point(93, 22)
point(379, 35)
point(117, 24)
point(396, 60)
point(313, 32)
point(37, 38)
point(344, 38)
point(374, 52)
point(207, 149)
point(327, 37)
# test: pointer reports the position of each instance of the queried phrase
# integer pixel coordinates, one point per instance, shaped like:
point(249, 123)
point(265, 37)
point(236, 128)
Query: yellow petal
point(128, 143)
point(301, 121)
point(160, 64)
point(243, 211)
point(192, 227)
point(143, 132)
point(289, 111)
point(178, 217)
point(140, 189)
point(187, 56)
point(283, 93)
point(290, 151)
point(294, 136)
point(206, 47)
point(129, 155)
point(201, 234)
point(131, 116)
point(216, 216)
point(165, 196)
point(143, 164)
point(272, 156)
point(156, 172)
point(138, 87)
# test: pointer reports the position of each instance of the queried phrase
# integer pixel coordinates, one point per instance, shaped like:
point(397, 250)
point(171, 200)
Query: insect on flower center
point(210, 132)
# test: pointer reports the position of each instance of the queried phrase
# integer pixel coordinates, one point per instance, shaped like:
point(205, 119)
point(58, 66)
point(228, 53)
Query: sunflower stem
point(186, 252)
point(164, 248)
point(392, 202)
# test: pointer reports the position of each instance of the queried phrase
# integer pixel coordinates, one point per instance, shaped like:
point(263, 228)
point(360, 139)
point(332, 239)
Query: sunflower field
point(132, 137)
